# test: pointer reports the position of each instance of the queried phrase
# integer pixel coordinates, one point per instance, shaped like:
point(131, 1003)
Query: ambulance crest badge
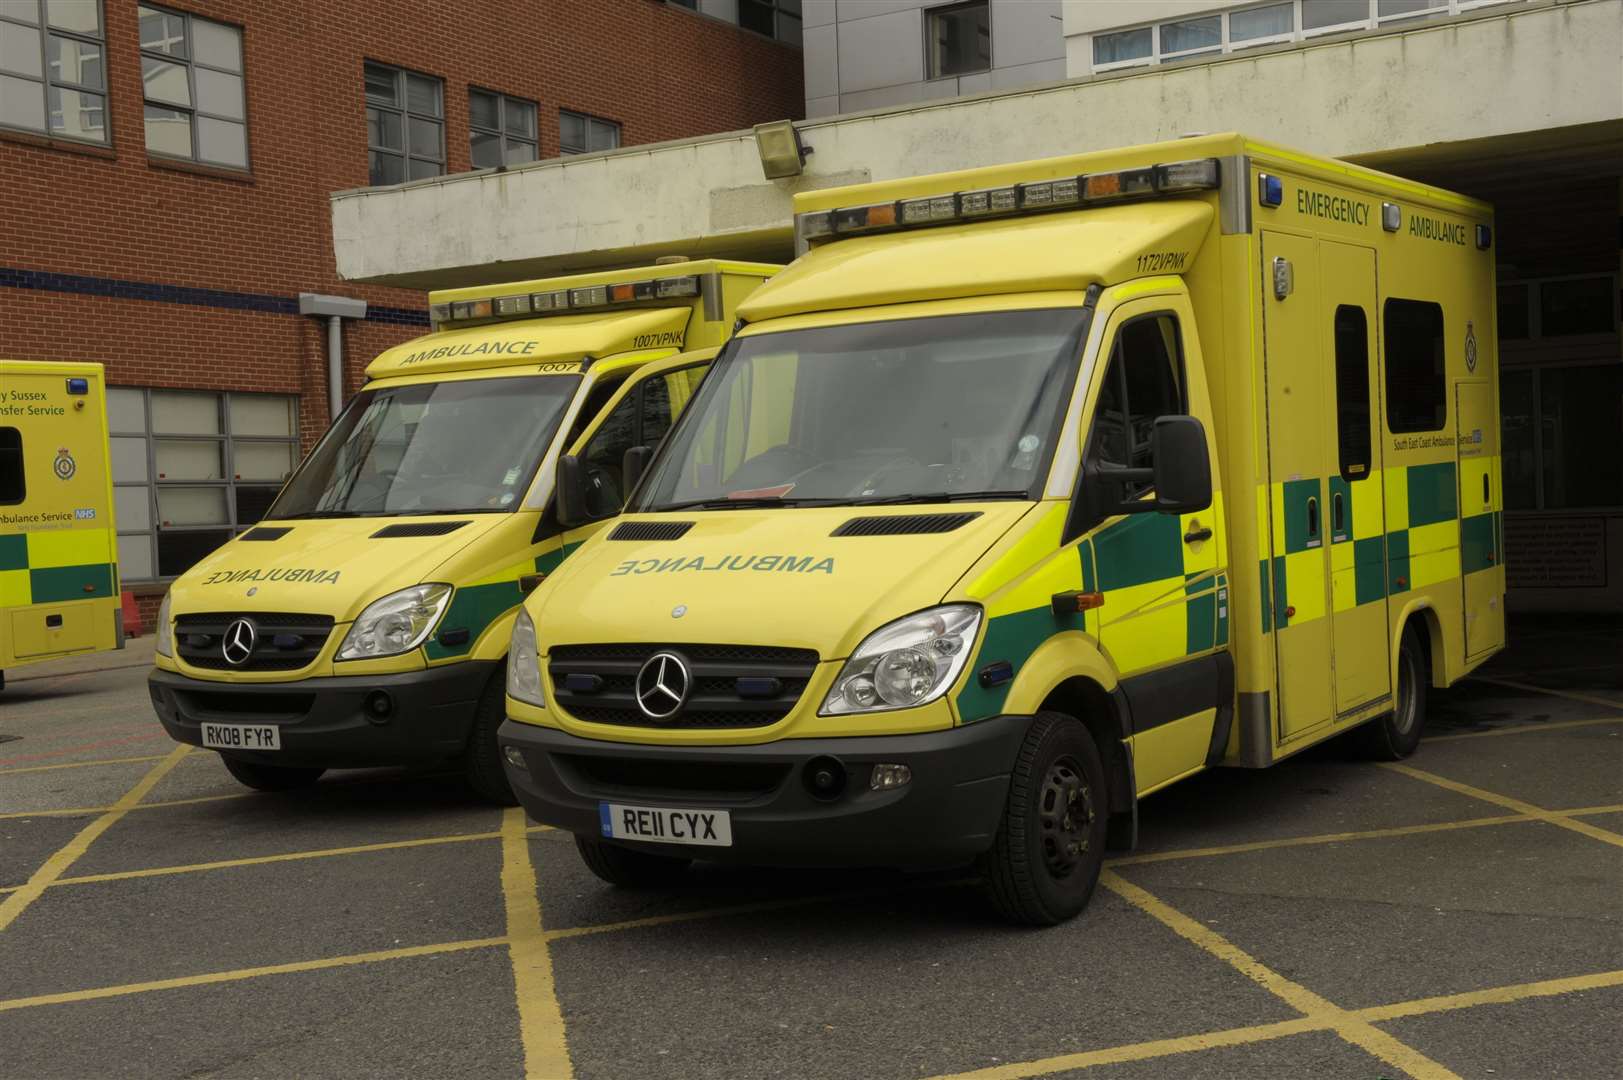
point(64, 465)
point(1470, 348)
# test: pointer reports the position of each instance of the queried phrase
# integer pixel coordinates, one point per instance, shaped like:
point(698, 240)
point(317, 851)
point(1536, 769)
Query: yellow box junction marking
point(83, 764)
point(1610, 703)
point(540, 1019)
point(54, 867)
point(1361, 1033)
point(1539, 813)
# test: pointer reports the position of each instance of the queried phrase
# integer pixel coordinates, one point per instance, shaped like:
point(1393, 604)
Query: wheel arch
point(1102, 712)
point(1421, 614)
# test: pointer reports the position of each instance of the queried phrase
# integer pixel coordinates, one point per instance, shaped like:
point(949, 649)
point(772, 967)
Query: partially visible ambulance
point(58, 552)
point(365, 620)
point(1026, 492)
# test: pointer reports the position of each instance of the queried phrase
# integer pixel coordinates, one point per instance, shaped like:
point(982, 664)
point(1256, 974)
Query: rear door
point(1298, 392)
point(1480, 558)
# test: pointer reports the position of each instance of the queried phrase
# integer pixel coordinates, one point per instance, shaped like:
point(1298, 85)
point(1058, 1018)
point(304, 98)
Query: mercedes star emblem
point(662, 686)
point(238, 644)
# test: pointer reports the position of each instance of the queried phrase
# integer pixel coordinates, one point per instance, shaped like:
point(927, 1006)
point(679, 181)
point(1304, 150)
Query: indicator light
point(1270, 190)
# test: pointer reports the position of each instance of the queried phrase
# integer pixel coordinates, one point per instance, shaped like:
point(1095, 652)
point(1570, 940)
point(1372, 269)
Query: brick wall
point(91, 236)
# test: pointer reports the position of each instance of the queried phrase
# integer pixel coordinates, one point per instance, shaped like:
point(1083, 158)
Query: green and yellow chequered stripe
point(478, 604)
point(1425, 540)
point(54, 567)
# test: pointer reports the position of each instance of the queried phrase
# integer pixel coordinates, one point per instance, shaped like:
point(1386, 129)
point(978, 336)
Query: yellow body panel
point(59, 588)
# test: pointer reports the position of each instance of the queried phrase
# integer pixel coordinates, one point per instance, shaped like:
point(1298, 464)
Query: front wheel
point(1397, 734)
point(270, 777)
point(482, 759)
point(1045, 861)
point(627, 868)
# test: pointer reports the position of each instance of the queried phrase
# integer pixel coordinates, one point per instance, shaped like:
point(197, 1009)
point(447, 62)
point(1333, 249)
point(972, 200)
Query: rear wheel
point(482, 760)
point(627, 868)
point(1397, 734)
point(1045, 861)
point(270, 777)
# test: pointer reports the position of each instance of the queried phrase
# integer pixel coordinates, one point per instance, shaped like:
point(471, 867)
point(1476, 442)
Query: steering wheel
point(869, 484)
point(781, 464)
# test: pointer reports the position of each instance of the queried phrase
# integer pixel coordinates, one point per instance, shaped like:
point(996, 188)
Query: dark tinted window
point(604, 456)
point(12, 483)
point(1144, 382)
point(1416, 383)
point(1352, 391)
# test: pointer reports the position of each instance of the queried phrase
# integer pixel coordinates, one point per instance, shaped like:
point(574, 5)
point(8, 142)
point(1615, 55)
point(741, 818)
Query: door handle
point(1313, 517)
point(1196, 534)
point(1336, 512)
point(1485, 499)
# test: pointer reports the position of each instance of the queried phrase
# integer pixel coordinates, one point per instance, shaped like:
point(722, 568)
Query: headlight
point(165, 645)
point(524, 662)
point(395, 624)
point(905, 663)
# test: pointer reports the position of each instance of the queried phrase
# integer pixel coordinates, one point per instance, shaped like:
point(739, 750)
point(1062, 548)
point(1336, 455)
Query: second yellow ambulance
point(1024, 493)
point(365, 620)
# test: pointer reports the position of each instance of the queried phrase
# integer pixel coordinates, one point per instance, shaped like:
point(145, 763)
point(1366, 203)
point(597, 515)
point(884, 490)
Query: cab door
point(1357, 517)
point(1296, 574)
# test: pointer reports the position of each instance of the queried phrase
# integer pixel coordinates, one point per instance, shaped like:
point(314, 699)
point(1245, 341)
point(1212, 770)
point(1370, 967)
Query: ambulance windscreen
point(915, 410)
point(457, 447)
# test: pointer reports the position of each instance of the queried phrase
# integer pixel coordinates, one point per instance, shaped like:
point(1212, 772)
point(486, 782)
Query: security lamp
point(782, 152)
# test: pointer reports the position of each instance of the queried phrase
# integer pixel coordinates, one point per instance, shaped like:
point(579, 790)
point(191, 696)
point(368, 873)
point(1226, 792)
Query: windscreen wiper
point(751, 503)
point(940, 497)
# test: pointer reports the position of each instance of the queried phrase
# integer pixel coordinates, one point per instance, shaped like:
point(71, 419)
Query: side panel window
point(1416, 385)
point(1143, 382)
point(13, 485)
point(1352, 392)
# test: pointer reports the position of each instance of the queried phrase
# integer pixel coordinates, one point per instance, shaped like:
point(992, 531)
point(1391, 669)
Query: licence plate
point(242, 736)
point(711, 828)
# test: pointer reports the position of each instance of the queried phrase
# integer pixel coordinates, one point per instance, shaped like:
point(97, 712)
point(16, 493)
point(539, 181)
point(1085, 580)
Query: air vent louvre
point(265, 532)
point(650, 530)
point(905, 524)
point(417, 528)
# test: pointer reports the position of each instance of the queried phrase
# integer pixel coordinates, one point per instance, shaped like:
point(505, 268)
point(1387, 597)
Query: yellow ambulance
point(365, 620)
point(58, 549)
point(1025, 492)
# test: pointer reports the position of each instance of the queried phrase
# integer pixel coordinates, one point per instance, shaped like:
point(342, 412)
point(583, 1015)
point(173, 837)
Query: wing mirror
point(569, 492)
point(1182, 475)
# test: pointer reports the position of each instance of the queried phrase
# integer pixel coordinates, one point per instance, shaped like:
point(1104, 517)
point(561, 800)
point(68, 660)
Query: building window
point(1263, 24)
point(501, 128)
point(405, 125)
point(191, 71)
point(1416, 379)
point(775, 18)
point(1581, 310)
point(691, 5)
point(53, 75)
point(582, 134)
point(959, 39)
point(190, 470)
point(13, 481)
point(1560, 431)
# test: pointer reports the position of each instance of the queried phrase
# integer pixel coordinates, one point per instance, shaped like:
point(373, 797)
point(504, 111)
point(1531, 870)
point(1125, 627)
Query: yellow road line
point(54, 867)
point(84, 764)
point(216, 977)
point(81, 811)
point(1526, 729)
point(540, 1019)
point(1361, 1033)
point(1610, 703)
point(1242, 1036)
point(1552, 817)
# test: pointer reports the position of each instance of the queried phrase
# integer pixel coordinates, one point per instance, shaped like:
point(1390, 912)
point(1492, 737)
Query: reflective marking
point(54, 867)
point(540, 1020)
point(1361, 1033)
point(1553, 817)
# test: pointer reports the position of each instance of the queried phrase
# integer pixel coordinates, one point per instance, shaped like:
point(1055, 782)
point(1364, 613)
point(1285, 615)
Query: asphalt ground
point(1459, 914)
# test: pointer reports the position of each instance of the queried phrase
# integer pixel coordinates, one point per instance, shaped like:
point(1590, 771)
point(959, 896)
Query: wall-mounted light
point(782, 152)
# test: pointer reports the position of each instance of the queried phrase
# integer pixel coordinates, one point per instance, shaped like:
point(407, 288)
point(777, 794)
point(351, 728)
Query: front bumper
point(946, 816)
point(325, 721)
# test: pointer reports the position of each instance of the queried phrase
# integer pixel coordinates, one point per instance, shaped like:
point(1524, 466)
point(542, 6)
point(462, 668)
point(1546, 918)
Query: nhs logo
point(87, 513)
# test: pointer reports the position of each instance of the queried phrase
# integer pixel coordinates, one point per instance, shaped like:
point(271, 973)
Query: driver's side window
point(1144, 381)
point(604, 455)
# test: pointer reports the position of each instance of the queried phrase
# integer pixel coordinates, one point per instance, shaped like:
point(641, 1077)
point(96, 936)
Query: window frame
point(402, 108)
point(500, 131)
point(780, 11)
point(1536, 394)
point(1180, 369)
point(43, 31)
point(563, 149)
point(226, 441)
point(931, 14)
point(195, 110)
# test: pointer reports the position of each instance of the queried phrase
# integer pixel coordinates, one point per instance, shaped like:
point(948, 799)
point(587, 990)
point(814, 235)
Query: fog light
point(824, 777)
point(379, 705)
point(514, 758)
point(885, 777)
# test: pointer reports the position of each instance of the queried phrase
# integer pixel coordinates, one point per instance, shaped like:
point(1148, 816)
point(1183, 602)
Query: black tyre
point(1045, 861)
point(627, 868)
point(270, 777)
point(1395, 735)
point(482, 760)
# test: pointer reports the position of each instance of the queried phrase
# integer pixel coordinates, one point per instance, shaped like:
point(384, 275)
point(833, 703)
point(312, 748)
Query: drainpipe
point(335, 309)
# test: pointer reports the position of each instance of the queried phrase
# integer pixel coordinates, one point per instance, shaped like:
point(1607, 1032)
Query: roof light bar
point(565, 300)
point(1036, 196)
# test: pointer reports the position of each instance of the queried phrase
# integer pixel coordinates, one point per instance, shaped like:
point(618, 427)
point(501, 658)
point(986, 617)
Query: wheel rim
point(1064, 817)
point(1404, 715)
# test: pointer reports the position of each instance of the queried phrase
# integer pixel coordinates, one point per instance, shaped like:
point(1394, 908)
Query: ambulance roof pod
point(527, 342)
